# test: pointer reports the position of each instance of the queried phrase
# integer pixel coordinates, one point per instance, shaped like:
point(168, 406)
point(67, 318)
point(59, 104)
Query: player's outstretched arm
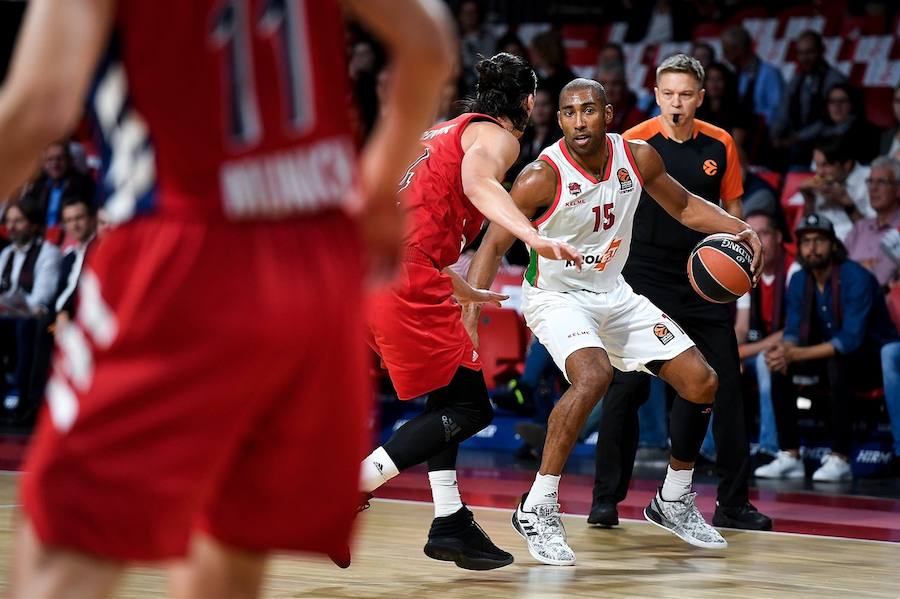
point(58, 48)
point(419, 39)
point(688, 209)
point(490, 154)
point(534, 188)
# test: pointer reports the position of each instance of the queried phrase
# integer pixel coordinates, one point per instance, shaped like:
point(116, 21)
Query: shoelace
point(549, 528)
point(693, 521)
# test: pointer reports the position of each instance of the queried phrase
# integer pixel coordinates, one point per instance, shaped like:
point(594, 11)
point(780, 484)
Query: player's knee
point(483, 415)
point(475, 415)
point(594, 382)
point(703, 387)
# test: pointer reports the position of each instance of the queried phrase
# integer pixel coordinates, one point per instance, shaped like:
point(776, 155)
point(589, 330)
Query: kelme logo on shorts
point(625, 182)
point(662, 333)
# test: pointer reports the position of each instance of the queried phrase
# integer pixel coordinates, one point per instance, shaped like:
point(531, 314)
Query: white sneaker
point(544, 533)
point(682, 518)
point(784, 465)
point(833, 469)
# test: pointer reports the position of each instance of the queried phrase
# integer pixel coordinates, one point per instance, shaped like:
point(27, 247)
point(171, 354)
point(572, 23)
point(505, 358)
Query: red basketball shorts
point(216, 377)
point(417, 330)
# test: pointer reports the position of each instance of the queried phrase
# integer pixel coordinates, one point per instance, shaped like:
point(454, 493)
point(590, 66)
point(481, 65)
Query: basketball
point(719, 268)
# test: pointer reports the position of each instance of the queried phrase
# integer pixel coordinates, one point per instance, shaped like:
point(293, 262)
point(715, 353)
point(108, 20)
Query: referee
point(703, 158)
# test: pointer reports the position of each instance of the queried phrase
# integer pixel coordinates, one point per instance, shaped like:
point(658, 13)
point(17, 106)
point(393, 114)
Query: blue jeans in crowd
point(768, 432)
point(890, 370)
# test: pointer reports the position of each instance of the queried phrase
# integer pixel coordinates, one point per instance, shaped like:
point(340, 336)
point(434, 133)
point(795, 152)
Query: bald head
point(584, 84)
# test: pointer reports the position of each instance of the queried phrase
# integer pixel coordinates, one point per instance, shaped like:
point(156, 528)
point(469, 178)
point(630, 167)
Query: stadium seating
point(502, 339)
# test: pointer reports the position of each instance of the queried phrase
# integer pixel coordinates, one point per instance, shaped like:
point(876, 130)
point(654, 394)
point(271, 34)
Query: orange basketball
point(719, 268)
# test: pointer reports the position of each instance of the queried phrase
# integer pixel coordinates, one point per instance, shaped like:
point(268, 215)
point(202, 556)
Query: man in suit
point(79, 219)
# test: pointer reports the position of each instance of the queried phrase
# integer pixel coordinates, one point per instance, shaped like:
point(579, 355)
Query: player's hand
point(776, 359)
point(556, 250)
point(749, 236)
point(478, 296)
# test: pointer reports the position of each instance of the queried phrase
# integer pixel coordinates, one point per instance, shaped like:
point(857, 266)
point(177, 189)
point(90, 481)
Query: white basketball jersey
point(595, 216)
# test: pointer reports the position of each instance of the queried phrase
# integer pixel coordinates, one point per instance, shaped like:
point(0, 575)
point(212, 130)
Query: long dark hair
point(504, 82)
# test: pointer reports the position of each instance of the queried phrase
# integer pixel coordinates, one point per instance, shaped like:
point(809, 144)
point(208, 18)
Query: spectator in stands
point(476, 41)
point(804, 103)
point(705, 53)
point(844, 117)
point(80, 223)
point(626, 113)
point(864, 242)
point(542, 131)
point(549, 59)
point(759, 84)
point(835, 326)
point(29, 268)
point(79, 219)
point(838, 190)
point(720, 102)
point(611, 52)
point(890, 140)
point(59, 178)
point(510, 43)
point(765, 319)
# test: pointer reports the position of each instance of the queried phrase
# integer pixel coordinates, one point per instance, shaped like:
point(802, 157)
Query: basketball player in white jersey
point(584, 190)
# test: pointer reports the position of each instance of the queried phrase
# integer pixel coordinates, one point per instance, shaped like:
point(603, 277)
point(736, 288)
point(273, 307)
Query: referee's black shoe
point(745, 517)
point(458, 538)
point(604, 515)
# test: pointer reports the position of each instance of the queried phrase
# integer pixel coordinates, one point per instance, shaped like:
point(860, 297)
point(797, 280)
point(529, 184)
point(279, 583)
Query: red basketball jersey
point(234, 108)
point(442, 220)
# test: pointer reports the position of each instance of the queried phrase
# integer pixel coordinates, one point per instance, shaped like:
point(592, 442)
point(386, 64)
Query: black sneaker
point(745, 517)
point(604, 515)
point(341, 557)
point(458, 538)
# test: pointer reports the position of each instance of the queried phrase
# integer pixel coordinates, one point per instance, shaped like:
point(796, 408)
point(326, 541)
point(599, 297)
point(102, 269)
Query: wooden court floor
point(635, 560)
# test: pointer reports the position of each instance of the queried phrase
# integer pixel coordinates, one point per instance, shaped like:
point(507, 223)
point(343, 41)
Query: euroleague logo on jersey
point(625, 182)
point(574, 189)
point(662, 333)
point(710, 167)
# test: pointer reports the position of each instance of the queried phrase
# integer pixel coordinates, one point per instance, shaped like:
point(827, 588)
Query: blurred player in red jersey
point(219, 325)
point(417, 328)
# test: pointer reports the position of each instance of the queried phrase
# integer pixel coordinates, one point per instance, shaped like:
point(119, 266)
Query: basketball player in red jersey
point(219, 325)
point(417, 328)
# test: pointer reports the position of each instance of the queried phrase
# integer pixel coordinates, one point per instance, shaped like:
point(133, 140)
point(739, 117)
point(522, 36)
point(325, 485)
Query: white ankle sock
point(677, 483)
point(544, 490)
point(376, 470)
point(445, 492)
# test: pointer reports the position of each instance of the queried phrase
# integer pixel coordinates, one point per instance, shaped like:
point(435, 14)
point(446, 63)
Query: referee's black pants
point(711, 327)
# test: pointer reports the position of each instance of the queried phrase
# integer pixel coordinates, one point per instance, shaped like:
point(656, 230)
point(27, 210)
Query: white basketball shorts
point(628, 326)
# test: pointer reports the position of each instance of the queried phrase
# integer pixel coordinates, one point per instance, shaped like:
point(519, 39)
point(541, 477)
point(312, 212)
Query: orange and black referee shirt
point(707, 165)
